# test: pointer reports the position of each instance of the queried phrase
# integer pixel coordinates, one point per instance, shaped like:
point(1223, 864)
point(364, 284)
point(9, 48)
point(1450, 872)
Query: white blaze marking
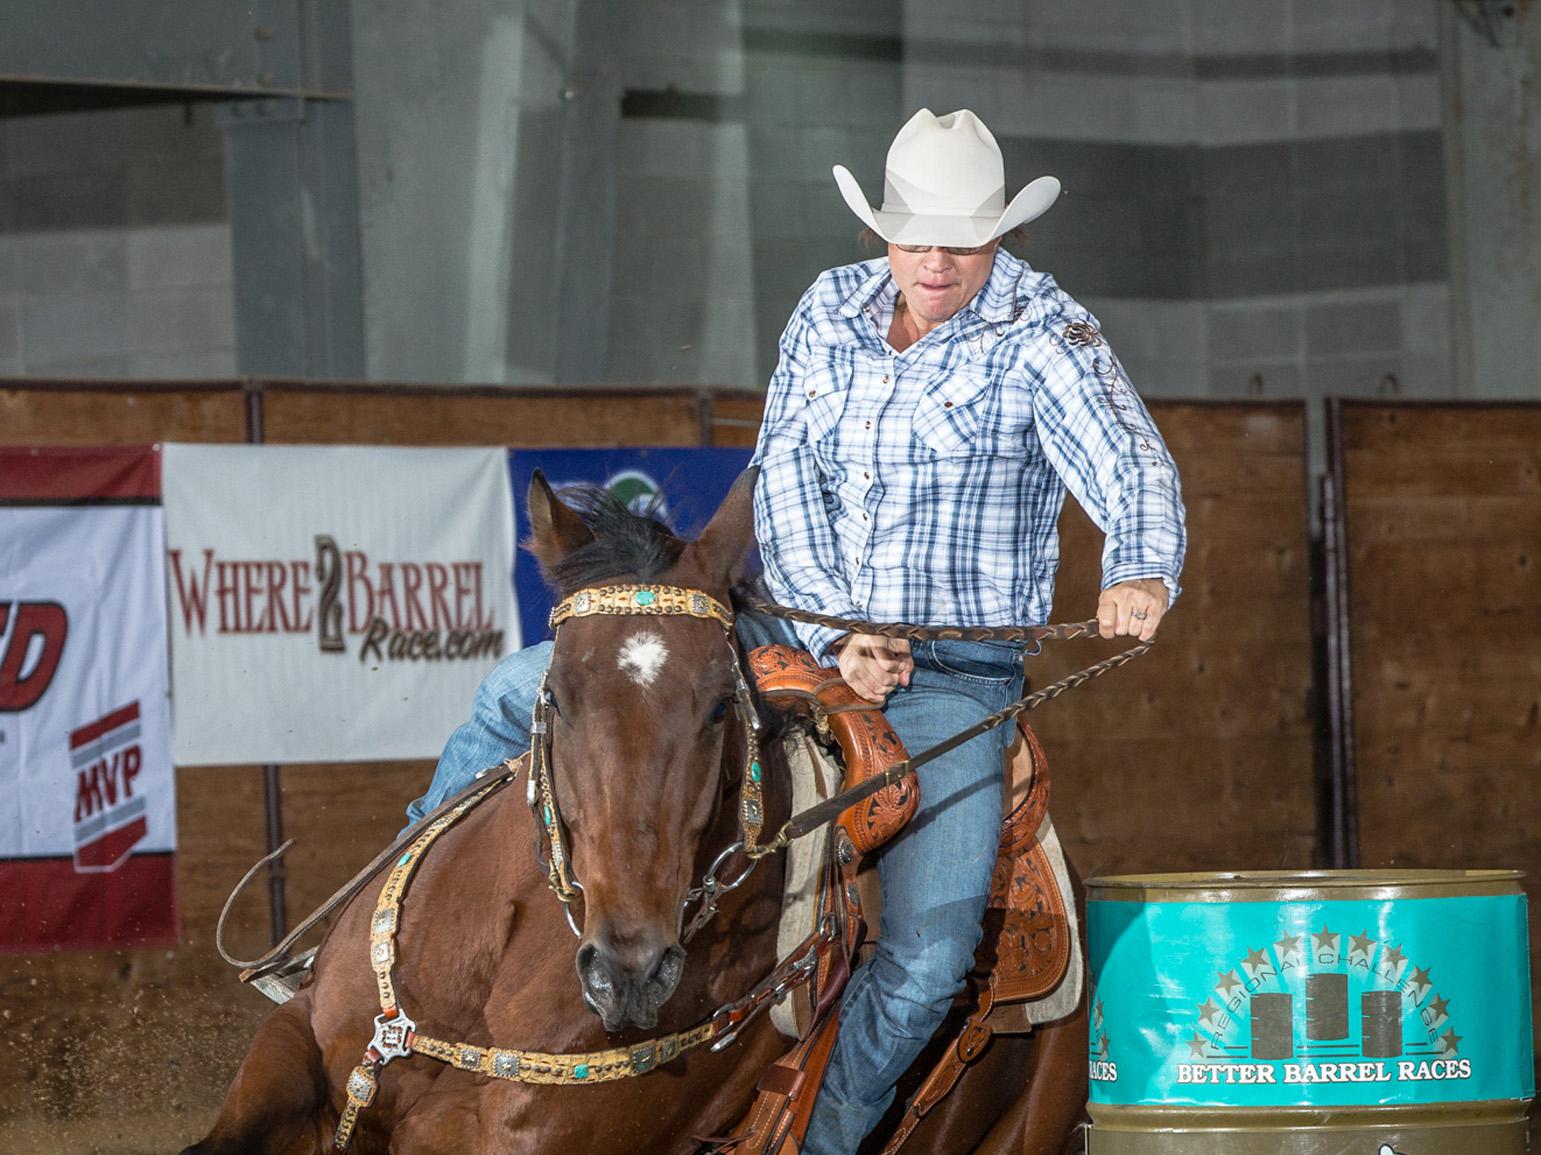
point(642, 657)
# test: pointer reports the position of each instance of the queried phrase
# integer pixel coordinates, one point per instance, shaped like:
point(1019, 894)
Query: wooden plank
point(1447, 517)
point(420, 417)
point(1414, 430)
point(1239, 430)
point(1483, 468)
point(121, 415)
point(736, 420)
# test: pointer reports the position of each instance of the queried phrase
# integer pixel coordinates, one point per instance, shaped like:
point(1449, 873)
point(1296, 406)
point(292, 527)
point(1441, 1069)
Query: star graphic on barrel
point(1228, 983)
point(1288, 944)
point(1361, 943)
point(1256, 960)
point(1102, 1047)
point(1208, 1011)
point(1451, 1042)
point(1395, 957)
point(1420, 980)
point(1099, 1012)
point(1324, 938)
point(1440, 1006)
point(1196, 1046)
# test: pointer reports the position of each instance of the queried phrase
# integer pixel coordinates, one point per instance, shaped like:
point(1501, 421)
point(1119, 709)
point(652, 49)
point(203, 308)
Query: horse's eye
point(719, 712)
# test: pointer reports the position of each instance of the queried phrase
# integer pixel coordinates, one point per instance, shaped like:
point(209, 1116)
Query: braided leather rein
point(1062, 632)
point(809, 820)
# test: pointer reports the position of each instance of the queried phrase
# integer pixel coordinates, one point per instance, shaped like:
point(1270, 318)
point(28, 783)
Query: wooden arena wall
point(1443, 528)
point(1198, 756)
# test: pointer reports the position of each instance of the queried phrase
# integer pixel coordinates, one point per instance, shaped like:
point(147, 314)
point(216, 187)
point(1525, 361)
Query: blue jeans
point(935, 874)
point(936, 883)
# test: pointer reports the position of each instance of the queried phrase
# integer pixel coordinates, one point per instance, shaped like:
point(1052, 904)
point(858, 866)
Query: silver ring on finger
point(1140, 617)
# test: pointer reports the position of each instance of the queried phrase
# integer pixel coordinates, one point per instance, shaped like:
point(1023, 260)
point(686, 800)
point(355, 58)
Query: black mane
point(625, 543)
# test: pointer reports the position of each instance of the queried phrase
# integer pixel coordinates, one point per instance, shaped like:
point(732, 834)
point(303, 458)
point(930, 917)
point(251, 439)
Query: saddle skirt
point(1030, 955)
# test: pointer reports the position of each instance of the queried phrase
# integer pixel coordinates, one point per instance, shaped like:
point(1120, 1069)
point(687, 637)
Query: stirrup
point(279, 981)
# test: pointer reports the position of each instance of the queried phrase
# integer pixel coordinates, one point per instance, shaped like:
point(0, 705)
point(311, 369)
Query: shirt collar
point(995, 303)
point(874, 286)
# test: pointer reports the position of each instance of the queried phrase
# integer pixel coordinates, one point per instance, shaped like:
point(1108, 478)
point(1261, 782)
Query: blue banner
point(691, 483)
point(1332, 1003)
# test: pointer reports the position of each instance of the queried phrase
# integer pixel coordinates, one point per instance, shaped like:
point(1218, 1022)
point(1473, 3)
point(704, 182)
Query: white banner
point(332, 603)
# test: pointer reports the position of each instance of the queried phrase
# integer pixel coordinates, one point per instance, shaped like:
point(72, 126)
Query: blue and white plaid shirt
point(926, 486)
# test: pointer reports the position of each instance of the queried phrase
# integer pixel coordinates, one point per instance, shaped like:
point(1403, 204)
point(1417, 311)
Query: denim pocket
point(993, 662)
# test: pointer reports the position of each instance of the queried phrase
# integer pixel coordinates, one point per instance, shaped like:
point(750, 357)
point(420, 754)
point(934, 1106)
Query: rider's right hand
point(873, 666)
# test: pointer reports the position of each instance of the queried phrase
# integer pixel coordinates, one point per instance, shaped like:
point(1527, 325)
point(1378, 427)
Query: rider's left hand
point(1132, 609)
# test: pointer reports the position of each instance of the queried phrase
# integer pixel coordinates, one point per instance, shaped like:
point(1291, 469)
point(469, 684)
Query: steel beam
point(262, 46)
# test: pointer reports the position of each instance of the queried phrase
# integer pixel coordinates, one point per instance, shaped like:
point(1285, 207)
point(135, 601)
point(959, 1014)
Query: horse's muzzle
point(625, 989)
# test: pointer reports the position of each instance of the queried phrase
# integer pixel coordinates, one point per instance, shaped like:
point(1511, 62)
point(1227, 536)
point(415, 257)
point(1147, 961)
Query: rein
point(396, 1035)
point(822, 813)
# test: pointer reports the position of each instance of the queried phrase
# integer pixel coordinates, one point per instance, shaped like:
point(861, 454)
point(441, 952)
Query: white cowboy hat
point(945, 184)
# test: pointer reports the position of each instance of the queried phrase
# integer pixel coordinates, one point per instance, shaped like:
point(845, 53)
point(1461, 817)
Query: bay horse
point(648, 774)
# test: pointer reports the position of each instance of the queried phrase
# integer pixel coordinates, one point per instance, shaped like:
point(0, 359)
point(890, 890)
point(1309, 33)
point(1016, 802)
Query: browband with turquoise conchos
point(641, 599)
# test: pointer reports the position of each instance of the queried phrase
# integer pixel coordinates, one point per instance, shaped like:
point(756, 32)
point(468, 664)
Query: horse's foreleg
point(273, 1107)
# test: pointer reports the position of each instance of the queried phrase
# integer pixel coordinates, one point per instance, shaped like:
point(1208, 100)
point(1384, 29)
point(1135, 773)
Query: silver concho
point(361, 1087)
point(505, 1064)
point(391, 1037)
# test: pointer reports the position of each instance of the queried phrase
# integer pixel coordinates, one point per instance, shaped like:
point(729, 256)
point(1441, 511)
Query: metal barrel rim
point(1296, 885)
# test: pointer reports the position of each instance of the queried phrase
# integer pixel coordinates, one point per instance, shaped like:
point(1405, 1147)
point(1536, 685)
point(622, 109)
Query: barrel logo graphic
point(109, 806)
point(1322, 1006)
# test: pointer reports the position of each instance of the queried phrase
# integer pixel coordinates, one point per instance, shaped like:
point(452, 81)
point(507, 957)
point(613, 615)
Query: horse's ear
point(555, 529)
point(723, 544)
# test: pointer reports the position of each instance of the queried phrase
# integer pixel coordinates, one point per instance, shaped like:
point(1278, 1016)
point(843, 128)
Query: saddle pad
point(815, 777)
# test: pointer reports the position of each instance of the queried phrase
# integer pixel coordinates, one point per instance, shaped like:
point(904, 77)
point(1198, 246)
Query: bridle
point(396, 1035)
point(551, 842)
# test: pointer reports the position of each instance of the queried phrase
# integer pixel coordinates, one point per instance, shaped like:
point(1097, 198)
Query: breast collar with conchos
point(647, 601)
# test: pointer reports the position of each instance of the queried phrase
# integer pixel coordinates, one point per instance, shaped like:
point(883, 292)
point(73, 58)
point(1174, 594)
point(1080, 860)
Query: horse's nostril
point(670, 965)
point(592, 971)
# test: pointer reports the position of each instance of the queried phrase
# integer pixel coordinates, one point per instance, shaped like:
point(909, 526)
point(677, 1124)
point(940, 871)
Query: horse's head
point(640, 710)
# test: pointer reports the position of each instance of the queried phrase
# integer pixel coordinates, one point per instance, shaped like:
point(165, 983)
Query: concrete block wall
point(1254, 189)
point(114, 245)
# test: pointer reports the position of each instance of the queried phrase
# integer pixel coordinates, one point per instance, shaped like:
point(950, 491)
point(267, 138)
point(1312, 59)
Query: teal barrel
point(1311, 1013)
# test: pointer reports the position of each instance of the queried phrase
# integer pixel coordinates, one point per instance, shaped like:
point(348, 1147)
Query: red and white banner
point(333, 603)
point(87, 789)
